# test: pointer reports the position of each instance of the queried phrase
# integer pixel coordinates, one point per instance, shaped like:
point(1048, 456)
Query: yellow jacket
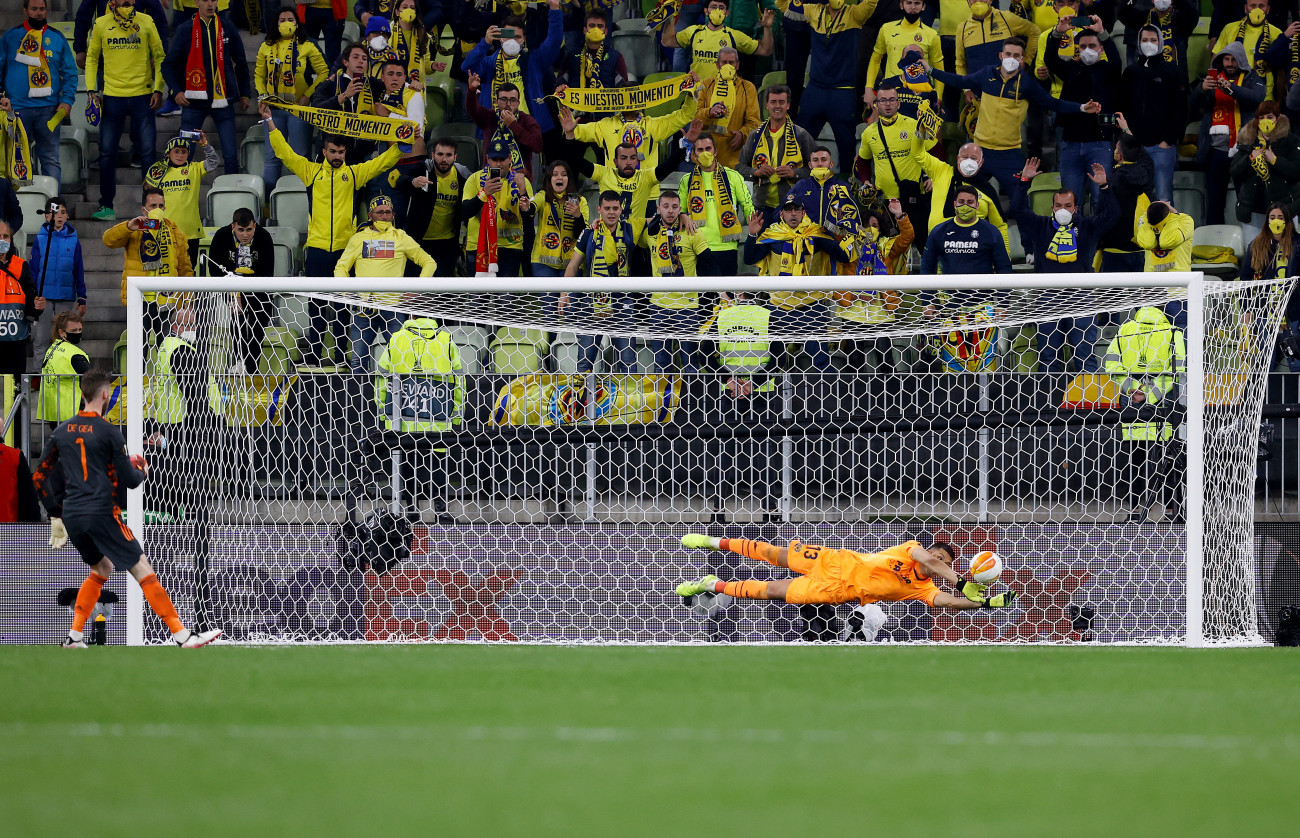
point(173, 244)
point(332, 190)
point(1168, 244)
point(906, 146)
point(645, 133)
point(273, 74)
point(743, 117)
point(380, 249)
point(132, 62)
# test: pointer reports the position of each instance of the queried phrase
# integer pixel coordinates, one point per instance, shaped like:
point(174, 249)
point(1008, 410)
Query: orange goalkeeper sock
point(747, 548)
point(86, 599)
point(161, 603)
point(749, 589)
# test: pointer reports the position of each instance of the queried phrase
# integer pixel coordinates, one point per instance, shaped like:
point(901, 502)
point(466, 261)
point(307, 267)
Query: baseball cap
point(498, 149)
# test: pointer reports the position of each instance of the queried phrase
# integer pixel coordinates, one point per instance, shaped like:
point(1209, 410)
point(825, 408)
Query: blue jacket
point(63, 70)
point(1043, 229)
point(536, 65)
point(57, 268)
point(92, 10)
point(238, 85)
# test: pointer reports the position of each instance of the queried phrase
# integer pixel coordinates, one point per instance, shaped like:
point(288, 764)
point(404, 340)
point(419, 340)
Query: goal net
point(504, 459)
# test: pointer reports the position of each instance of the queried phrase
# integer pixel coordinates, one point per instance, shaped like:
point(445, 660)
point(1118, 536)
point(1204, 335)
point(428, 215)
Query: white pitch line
point(600, 735)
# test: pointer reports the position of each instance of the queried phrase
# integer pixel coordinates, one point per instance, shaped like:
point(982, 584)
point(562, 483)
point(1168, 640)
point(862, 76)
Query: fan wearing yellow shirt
point(674, 246)
point(897, 36)
point(704, 40)
point(637, 185)
point(181, 181)
point(378, 249)
point(493, 203)
point(128, 48)
point(632, 127)
point(889, 156)
point(288, 68)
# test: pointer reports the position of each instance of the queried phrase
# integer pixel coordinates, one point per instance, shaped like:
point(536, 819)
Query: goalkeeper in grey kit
point(82, 480)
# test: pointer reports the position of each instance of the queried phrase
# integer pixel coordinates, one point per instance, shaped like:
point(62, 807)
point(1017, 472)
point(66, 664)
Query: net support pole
point(1195, 490)
point(985, 436)
point(135, 444)
point(787, 451)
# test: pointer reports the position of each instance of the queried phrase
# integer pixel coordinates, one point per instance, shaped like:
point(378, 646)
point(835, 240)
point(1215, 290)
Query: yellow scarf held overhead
point(639, 98)
point(31, 52)
point(357, 126)
point(726, 204)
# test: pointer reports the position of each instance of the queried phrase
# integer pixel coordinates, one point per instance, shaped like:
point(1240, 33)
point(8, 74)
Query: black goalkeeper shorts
point(104, 536)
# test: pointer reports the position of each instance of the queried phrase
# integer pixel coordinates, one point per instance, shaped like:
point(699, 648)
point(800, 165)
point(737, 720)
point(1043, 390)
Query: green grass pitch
point(618, 741)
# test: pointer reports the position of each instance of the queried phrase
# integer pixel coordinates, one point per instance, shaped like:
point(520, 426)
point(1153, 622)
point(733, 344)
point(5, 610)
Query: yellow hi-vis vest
point(423, 362)
point(60, 395)
point(742, 345)
point(1148, 354)
point(167, 404)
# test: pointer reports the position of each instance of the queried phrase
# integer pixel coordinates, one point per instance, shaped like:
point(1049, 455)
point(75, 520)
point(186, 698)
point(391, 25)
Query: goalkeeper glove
point(973, 591)
point(1002, 600)
point(58, 533)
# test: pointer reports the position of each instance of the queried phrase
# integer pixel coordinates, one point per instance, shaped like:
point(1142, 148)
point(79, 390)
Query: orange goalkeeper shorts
point(824, 581)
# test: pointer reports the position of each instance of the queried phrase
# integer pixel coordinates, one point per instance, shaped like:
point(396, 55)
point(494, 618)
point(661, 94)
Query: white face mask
point(189, 336)
point(379, 42)
point(1089, 57)
point(1010, 65)
point(1150, 49)
point(1162, 5)
point(1063, 216)
point(968, 167)
point(510, 47)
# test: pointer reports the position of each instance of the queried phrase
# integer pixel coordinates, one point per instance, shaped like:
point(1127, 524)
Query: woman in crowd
point(288, 68)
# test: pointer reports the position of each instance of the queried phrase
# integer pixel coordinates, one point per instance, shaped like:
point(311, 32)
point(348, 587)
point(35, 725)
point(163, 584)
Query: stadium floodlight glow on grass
point(989, 461)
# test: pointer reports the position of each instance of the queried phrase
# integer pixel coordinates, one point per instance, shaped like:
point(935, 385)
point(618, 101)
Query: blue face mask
point(4, 246)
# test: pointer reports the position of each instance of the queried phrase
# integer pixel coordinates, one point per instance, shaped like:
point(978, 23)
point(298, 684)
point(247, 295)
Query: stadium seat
point(472, 341)
point(632, 24)
point(286, 249)
point(564, 353)
point(1041, 190)
point(33, 202)
point(1190, 195)
point(440, 100)
point(640, 51)
point(45, 184)
point(252, 149)
point(458, 129)
point(74, 155)
point(508, 334)
point(20, 242)
point(1017, 250)
point(230, 192)
point(516, 358)
point(673, 180)
point(289, 203)
point(1220, 235)
point(469, 153)
point(1198, 50)
point(278, 345)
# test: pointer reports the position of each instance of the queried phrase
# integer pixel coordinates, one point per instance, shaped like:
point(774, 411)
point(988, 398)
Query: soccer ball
point(863, 624)
point(986, 567)
point(708, 604)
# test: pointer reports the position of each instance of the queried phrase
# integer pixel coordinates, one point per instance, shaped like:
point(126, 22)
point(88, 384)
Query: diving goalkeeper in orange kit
point(904, 572)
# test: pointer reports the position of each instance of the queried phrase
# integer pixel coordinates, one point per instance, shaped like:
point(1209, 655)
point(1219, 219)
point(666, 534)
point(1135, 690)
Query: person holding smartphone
point(155, 246)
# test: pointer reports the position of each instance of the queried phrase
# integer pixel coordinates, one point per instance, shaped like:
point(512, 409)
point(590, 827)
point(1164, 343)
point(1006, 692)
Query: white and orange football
point(986, 567)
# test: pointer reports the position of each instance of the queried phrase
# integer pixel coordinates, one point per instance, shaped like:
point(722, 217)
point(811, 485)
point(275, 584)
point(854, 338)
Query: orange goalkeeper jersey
point(888, 576)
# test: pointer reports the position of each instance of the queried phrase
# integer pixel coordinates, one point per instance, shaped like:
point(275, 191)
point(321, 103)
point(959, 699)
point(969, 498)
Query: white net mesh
point(465, 466)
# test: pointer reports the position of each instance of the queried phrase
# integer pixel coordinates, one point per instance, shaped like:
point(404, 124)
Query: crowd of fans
point(945, 119)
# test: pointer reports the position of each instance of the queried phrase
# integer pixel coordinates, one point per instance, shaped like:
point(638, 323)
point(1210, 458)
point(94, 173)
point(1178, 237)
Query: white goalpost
point(513, 497)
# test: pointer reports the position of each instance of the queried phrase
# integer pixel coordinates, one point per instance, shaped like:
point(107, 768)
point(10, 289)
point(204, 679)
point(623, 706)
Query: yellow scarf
point(724, 92)
point(1260, 164)
point(507, 70)
point(554, 233)
point(794, 247)
point(31, 51)
point(589, 67)
point(15, 153)
point(411, 51)
point(774, 153)
point(696, 206)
